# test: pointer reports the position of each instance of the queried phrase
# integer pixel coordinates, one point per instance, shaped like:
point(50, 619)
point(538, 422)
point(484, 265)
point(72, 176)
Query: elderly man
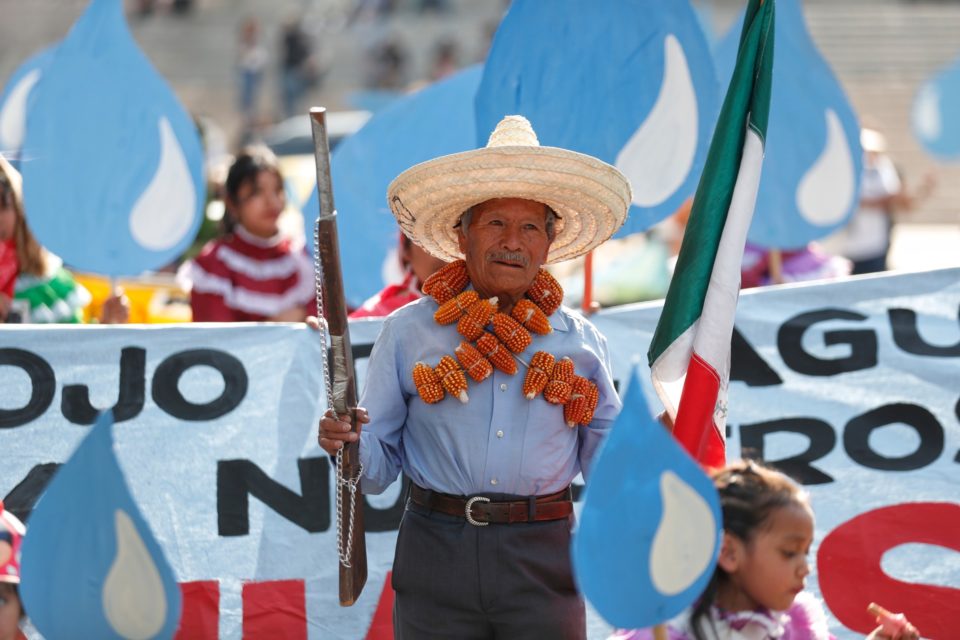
point(488, 394)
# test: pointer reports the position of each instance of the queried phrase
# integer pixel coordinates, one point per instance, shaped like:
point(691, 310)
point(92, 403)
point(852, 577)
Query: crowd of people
point(479, 501)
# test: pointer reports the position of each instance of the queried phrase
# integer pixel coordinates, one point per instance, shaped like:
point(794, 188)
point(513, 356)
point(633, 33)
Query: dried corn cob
point(447, 282)
point(558, 388)
point(496, 353)
point(511, 333)
point(451, 310)
point(538, 374)
point(531, 316)
point(476, 318)
point(593, 396)
point(476, 366)
point(427, 382)
point(575, 410)
point(452, 378)
point(546, 292)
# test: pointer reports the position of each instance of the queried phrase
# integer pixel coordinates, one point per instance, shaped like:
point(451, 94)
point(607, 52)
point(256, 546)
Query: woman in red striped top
point(253, 272)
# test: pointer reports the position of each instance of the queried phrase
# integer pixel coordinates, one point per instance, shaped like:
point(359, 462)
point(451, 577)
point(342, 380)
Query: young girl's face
point(9, 612)
point(259, 204)
point(770, 570)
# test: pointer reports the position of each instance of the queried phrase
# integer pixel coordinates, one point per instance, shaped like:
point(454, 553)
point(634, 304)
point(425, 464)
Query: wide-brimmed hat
point(11, 537)
point(590, 196)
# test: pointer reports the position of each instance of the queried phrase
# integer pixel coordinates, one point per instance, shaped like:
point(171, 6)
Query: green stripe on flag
point(748, 97)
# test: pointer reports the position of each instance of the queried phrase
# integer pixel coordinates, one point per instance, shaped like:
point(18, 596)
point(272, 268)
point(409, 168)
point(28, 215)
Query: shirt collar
point(558, 321)
point(257, 241)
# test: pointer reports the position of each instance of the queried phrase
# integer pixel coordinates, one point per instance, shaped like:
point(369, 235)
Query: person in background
point(253, 272)
point(12, 614)
point(757, 589)
point(251, 63)
point(444, 61)
point(866, 239)
point(297, 65)
point(417, 266)
point(34, 285)
point(798, 265)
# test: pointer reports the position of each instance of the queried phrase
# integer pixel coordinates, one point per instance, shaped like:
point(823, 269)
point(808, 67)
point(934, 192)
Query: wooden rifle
point(338, 372)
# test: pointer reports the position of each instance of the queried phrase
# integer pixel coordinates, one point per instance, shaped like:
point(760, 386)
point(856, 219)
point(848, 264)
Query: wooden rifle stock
point(353, 575)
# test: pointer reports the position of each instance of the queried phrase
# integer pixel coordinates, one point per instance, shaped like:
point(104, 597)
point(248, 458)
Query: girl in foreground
point(757, 590)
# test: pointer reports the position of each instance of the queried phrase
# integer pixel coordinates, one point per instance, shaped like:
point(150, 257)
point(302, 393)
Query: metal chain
point(344, 550)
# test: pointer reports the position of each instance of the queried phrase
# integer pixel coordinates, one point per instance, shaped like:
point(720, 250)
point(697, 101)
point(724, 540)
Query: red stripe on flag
point(381, 627)
point(275, 609)
point(200, 616)
point(694, 428)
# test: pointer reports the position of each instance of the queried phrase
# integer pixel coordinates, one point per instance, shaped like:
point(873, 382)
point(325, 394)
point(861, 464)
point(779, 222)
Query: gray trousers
point(510, 581)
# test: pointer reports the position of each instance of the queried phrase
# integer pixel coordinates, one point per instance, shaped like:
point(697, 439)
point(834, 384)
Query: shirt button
point(493, 481)
point(503, 386)
point(500, 433)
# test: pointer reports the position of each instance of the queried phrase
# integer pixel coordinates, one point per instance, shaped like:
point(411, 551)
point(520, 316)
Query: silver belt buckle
point(469, 506)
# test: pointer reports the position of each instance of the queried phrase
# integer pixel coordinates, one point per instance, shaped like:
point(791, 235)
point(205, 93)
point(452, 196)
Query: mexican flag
point(690, 352)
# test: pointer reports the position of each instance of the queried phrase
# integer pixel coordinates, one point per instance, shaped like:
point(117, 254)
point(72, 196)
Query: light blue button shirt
point(498, 442)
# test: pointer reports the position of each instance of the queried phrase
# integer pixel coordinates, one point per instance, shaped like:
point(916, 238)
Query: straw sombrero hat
point(590, 197)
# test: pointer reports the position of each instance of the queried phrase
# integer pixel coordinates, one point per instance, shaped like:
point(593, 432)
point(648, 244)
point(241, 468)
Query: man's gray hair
point(550, 223)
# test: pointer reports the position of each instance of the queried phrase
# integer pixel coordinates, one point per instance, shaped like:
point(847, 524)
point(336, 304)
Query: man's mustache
point(512, 257)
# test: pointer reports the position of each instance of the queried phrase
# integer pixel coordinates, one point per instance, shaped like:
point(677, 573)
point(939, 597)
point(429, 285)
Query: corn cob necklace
point(481, 351)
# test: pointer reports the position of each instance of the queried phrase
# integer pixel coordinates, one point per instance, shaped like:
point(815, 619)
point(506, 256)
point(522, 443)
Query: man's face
point(505, 246)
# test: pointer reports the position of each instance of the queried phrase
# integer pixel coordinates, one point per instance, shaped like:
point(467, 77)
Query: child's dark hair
point(30, 254)
point(15, 589)
point(250, 162)
point(749, 494)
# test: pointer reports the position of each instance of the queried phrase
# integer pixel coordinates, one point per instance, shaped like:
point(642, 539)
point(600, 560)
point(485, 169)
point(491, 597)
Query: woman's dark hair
point(30, 254)
point(749, 494)
point(6, 191)
point(250, 162)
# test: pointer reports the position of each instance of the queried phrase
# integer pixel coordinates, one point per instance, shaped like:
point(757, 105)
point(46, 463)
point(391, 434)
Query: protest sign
point(849, 386)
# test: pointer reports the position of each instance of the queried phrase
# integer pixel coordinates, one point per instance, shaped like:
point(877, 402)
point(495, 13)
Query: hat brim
point(590, 196)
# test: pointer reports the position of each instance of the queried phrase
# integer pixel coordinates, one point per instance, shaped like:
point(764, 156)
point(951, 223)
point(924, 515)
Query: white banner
point(853, 386)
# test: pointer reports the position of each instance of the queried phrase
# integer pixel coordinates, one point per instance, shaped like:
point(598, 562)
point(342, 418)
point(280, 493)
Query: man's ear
point(461, 240)
point(731, 553)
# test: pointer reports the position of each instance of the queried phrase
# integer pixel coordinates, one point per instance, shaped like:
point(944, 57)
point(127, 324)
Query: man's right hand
point(334, 432)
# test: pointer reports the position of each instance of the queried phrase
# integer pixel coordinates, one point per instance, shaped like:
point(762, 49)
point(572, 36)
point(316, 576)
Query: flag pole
point(587, 303)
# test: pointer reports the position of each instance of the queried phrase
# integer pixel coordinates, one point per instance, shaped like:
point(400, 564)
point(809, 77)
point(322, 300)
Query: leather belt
point(481, 511)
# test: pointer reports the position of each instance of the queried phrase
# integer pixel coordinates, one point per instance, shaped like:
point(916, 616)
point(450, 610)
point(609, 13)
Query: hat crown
point(513, 131)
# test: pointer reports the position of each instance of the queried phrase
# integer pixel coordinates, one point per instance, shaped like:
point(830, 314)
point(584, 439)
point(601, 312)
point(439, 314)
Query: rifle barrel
point(342, 378)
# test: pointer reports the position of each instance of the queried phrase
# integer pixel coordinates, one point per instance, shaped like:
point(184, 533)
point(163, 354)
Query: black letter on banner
point(905, 335)
point(168, 397)
point(22, 498)
point(856, 437)
point(386, 519)
point(238, 478)
point(746, 365)
point(863, 344)
point(822, 440)
point(75, 402)
point(43, 385)
point(956, 410)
